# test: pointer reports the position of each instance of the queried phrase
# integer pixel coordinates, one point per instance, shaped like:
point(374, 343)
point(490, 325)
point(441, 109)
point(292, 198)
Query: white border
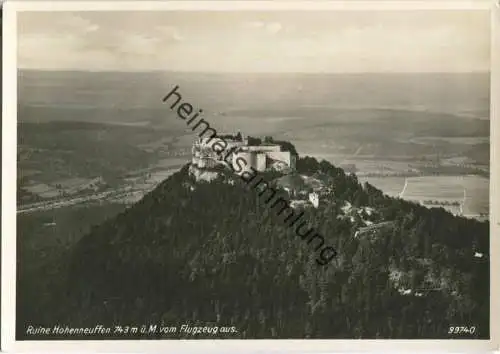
point(9, 168)
point(495, 175)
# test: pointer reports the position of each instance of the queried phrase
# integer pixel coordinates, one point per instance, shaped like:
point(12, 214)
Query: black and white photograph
point(256, 173)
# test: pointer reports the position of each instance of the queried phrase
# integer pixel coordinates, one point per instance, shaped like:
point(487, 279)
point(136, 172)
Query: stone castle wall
point(258, 158)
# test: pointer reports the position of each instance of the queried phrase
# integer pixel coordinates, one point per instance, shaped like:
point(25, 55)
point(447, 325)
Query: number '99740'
point(461, 330)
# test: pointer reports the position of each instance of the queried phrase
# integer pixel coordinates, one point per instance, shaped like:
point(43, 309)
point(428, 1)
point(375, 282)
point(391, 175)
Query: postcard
point(249, 176)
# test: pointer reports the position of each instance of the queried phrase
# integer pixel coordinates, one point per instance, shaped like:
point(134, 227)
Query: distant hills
point(446, 92)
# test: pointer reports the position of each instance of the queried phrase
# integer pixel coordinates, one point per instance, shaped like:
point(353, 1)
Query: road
point(350, 157)
point(73, 201)
point(404, 188)
point(463, 202)
point(116, 193)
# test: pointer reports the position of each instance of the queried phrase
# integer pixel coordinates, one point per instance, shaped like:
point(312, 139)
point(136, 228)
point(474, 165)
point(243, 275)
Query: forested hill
point(207, 253)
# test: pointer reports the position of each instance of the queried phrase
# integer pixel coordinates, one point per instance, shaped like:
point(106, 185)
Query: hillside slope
point(215, 254)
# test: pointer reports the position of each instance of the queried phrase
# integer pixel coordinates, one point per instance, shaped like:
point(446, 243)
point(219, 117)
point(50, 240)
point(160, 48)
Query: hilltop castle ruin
point(259, 156)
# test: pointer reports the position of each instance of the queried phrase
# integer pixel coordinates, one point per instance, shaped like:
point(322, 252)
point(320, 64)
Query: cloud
point(138, 44)
point(92, 28)
point(254, 24)
point(170, 33)
point(76, 23)
point(268, 27)
point(254, 42)
point(42, 44)
point(59, 51)
point(274, 27)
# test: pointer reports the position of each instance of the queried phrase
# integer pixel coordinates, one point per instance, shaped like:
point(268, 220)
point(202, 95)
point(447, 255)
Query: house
point(314, 199)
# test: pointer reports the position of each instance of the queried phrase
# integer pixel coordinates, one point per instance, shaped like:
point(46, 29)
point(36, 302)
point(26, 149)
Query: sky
point(249, 41)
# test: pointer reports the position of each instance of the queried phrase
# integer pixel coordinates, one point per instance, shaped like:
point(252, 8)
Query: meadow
point(444, 189)
point(391, 186)
point(435, 187)
point(478, 192)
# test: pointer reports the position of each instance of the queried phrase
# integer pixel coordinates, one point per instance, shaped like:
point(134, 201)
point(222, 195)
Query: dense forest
point(213, 253)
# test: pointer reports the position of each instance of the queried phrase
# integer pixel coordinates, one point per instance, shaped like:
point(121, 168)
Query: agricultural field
point(391, 186)
point(477, 195)
point(435, 188)
point(471, 192)
point(442, 190)
point(42, 190)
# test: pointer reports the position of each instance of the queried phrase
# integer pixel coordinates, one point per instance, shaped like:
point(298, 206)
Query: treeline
point(218, 255)
point(285, 145)
point(441, 202)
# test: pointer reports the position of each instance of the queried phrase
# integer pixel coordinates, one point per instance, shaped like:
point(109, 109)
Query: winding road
point(350, 157)
point(404, 188)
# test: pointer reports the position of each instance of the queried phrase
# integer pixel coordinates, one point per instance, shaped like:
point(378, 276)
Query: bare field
point(173, 162)
point(435, 187)
point(477, 197)
point(42, 189)
point(429, 140)
point(391, 186)
point(381, 166)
